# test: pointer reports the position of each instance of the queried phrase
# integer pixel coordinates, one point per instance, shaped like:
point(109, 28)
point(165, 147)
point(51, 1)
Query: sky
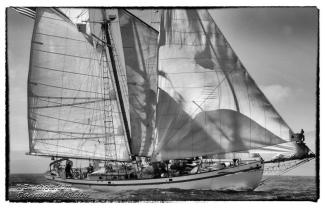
point(278, 47)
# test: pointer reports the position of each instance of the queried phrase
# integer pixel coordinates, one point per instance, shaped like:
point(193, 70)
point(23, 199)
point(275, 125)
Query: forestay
point(65, 92)
point(207, 102)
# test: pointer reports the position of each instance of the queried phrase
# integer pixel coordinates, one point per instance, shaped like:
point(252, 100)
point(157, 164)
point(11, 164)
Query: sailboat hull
point(240, 178)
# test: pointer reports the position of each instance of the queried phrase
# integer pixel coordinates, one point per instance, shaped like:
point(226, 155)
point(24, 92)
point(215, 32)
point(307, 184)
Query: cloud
point(276, 93)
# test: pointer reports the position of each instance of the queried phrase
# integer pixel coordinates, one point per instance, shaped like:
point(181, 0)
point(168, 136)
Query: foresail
point(208, 103)
point(65, 92)
point(140, 51)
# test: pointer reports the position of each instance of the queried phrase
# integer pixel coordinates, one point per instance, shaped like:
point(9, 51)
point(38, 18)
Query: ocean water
point(34, 187)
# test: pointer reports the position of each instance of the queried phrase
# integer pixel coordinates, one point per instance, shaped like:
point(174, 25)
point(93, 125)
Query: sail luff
point(30, 137)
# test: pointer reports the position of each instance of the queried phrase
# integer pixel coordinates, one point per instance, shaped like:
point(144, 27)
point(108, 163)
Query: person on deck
point(302, 136)
point(68, 169)
point(90, 168)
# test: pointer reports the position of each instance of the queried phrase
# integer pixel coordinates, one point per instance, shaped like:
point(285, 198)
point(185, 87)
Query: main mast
point(109, 46)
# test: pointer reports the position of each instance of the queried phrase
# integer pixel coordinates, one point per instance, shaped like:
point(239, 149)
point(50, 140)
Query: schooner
point(172, 107)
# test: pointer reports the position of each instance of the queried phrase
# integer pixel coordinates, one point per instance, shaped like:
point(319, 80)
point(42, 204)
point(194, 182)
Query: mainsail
point(66, 99)
point(208, 103)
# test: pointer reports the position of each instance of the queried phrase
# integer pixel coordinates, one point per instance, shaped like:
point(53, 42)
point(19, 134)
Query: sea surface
point(34, 187)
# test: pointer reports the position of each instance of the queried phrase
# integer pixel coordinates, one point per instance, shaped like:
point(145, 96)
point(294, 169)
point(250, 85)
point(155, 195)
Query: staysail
point(140, 52)
point(66, 99)
point(207, 101)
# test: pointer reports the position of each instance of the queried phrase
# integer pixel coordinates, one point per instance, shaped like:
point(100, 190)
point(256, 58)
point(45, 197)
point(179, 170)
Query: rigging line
point(95, 109)
point(92, 156)
point(206, 86)
point(56, 19)
point(67, 120)
point(25, 11)
point(66, 88)
point(57, 36)
point(115, 73)
point(79, 106)
point(63, 54)
point(68, 72)
point(287, 170)
point(67, 138)
point(173, 42)
point(64, 105)
point(70, 148)
point(66, 132)
point(195, 32)
point(68, 135)
point(83, 12)
point(64, 98)
point(140, 20)
point(191, 19)
point(74, 138)
point(191, 58)
point(211, 71)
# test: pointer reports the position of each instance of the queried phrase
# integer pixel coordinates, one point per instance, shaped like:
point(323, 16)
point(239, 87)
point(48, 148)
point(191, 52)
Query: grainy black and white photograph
point(162, 104)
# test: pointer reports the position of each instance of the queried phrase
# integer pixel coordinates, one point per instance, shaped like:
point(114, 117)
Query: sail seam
point(97, 109)
point(62, 54)
point(68, 72)
point(57, 36)
point(68, 120)
point(67, 138)
point(71, 104)
point(68, 98)
point(66, 88)
point(67, 132)
point(70, 148)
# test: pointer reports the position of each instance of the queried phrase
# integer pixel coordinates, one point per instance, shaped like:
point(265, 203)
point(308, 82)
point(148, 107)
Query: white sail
point(208, 103)
point(65, 92)
point(140, 49)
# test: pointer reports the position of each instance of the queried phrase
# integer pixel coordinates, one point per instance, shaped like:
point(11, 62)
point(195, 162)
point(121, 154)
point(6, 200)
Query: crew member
point(302, 136)
point(68, 169)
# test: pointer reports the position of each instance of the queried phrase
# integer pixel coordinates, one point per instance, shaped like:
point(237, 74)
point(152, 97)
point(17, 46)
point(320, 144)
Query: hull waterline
point(240, 178)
